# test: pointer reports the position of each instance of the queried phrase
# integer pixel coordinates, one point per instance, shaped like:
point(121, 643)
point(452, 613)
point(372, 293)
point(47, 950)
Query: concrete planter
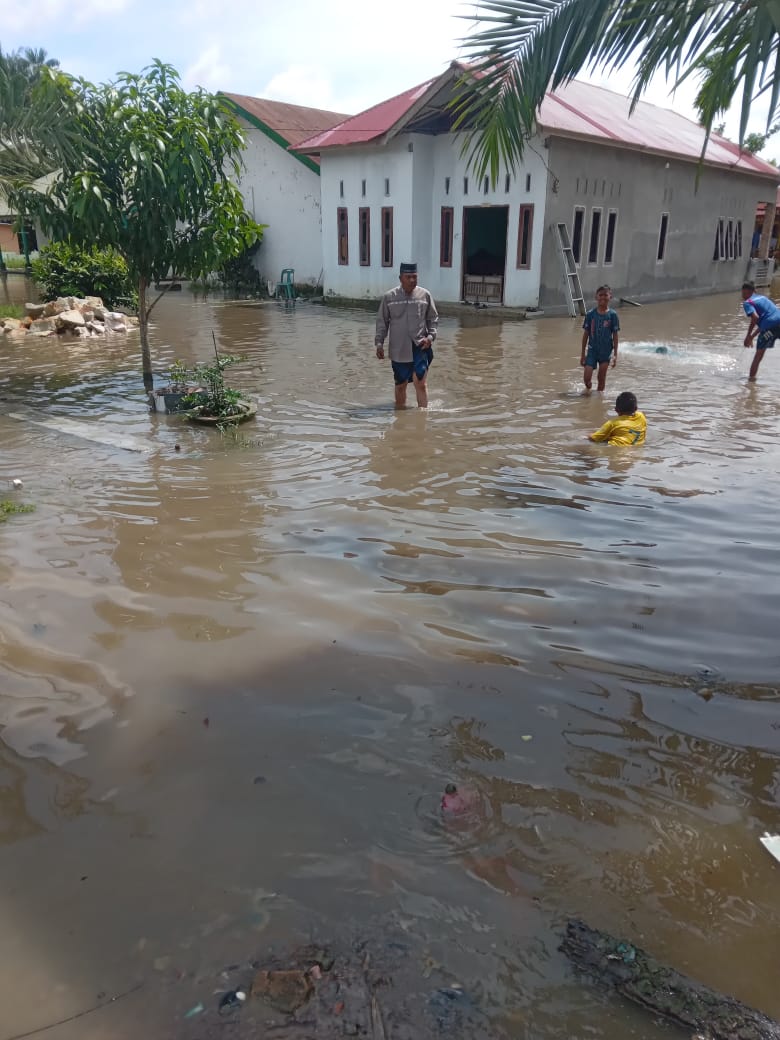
point(169, 398)
point(249, 411)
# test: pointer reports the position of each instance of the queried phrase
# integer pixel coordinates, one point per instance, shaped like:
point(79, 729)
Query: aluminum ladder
point(571, 276)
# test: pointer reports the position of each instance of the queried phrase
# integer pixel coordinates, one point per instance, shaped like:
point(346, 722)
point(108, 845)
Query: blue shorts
point(405, 371)
point(767, 338)
point(594, 358)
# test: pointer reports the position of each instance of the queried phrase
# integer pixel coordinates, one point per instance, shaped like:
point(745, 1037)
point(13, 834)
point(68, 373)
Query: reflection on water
point(237, 672)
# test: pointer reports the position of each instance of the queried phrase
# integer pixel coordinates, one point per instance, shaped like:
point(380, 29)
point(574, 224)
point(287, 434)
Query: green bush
point(64, 270)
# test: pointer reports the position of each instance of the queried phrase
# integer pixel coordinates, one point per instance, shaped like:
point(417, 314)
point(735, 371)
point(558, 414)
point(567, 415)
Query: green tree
point(151, 180)
point(522, 48)
point(35, 124)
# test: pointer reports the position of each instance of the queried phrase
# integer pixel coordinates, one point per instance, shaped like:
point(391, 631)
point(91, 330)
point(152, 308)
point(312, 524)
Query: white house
point(281, 187)
point(396, 186)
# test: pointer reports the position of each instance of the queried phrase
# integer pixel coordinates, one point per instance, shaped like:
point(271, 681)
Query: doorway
point(485, 230)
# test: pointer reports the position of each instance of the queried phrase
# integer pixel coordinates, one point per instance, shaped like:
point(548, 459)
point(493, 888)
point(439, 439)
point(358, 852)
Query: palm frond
point(523, 48)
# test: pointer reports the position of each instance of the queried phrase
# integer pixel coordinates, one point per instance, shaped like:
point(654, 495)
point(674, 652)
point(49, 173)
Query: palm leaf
point(523, 48)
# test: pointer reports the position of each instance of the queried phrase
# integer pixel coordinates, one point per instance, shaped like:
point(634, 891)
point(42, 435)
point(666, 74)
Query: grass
point(15, 263)
point(8, 508)
point(11, 310)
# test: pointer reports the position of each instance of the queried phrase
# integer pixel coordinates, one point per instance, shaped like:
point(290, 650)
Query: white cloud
point(301, 85)
point(28, 18)
point(209, 70)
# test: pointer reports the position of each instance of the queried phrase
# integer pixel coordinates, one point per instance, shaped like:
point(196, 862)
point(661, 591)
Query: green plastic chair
point(285, 287)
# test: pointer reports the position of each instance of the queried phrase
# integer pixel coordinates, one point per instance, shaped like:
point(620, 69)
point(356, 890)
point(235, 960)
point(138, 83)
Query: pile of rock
point(69, 315)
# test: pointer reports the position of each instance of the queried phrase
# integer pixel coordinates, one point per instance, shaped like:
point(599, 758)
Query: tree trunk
point(662, 990)
point(143, 328)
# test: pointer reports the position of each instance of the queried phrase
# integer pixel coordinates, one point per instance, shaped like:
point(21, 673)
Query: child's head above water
point(625, 403)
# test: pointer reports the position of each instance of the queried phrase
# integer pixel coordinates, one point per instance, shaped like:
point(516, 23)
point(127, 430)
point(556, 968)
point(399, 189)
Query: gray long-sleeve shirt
point(408, 318)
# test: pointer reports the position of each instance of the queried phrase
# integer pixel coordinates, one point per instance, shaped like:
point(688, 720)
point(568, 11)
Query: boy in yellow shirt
point(629, 427)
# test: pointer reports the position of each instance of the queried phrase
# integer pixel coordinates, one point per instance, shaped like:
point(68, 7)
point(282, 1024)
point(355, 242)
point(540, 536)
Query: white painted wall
point(280, 191)
point(350, 167)
point(417, 193)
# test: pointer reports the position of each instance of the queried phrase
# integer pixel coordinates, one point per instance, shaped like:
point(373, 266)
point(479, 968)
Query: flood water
point(236, 677)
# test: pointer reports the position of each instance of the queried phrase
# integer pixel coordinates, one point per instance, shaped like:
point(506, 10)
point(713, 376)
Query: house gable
point(286, 125)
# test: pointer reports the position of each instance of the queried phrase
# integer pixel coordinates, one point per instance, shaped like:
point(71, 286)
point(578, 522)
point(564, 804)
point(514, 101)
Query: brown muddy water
point(235, 678)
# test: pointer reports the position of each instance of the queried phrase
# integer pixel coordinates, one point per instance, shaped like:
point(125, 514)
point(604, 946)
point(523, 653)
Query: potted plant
point(216, 404)
point(181, 384)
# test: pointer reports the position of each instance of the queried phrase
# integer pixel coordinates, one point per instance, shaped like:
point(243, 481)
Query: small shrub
point(11, 310)
point(239, 276)
point(64, 270)
point(8, 508)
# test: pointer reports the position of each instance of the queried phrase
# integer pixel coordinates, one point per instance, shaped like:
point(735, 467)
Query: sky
point(340, 55)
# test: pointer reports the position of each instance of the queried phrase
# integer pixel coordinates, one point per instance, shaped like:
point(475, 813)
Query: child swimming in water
point(629, 427)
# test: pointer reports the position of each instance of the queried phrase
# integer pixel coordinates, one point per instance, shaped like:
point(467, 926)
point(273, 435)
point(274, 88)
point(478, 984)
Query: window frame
point(386, 233)
point(342, 235)
point(608, 262)
point(596, 213)
point(364, 241)
point(446, 239)
point(663, 238)
point(576, 242)
point(526, 209)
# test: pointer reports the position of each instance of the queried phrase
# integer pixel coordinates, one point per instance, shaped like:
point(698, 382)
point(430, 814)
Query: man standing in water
point(764, 323)
point(409, 315)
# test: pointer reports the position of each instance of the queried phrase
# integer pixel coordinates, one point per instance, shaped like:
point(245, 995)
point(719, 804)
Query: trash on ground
point(284, 990)
point(771, 843)
point(197, 1010)
point(231, 1001)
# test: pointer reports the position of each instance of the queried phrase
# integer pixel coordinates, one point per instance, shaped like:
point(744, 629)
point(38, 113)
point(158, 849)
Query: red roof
point(577, 109)
point(368, 125)
point(292, 122)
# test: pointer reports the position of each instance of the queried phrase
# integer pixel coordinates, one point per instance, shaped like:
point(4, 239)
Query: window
point(609, 245)
point(662, 231)
point(387, 185)
point(507, 183)
point(363, 188)
point(738, 240)
point(445, 240)
point(387, 236)
point(446, 185)
point(343, 234)
point(730, 241)
point(528, 182)
point(719, 252)
point(465, 185)
point(576, 233)
point(595, 235)
point(524, 236)
point(341, 189)
point(364, 235)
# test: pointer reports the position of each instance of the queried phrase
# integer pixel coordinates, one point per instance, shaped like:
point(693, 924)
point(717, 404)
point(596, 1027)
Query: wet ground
point(235, 678)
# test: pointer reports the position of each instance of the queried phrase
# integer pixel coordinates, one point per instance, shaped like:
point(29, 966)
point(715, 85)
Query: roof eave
point(546, 131)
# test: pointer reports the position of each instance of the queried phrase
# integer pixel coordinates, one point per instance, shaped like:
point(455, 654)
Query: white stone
point(12, 325)
point(34, 310)
point(72, 319)
point(55, 307)
point(100, 312)
point(115, 322)
point(93, 301)
point(43, 327)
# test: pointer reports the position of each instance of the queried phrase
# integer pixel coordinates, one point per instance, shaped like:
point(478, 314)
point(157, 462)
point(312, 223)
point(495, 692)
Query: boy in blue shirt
point(764, 324)
point(599, 339)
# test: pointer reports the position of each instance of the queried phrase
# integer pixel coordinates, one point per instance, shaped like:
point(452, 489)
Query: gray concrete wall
point(640, 188)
